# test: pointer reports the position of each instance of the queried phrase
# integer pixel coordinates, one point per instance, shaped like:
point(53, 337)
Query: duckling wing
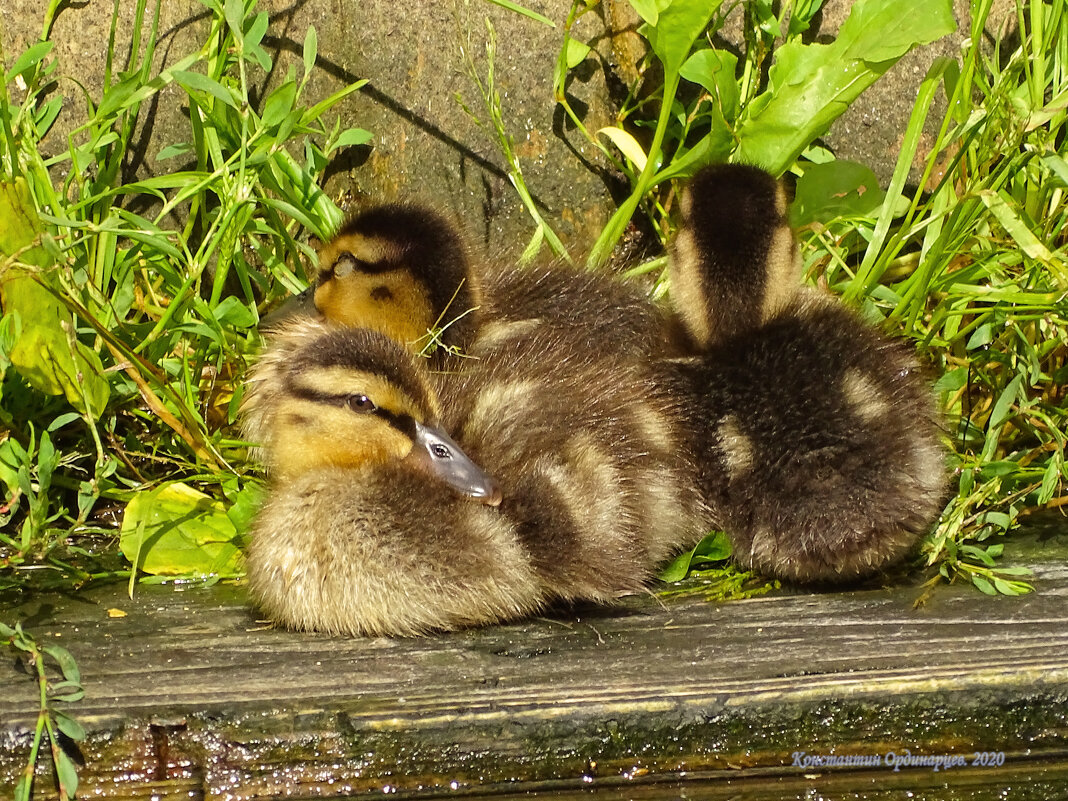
point(589, 452)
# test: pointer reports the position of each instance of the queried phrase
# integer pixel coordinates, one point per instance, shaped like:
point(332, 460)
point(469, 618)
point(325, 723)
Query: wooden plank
point(189, 693)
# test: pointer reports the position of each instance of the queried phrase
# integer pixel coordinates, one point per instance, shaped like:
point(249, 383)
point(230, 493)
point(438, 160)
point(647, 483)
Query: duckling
point(815, 434)
point(403, 269)
point(356, 537)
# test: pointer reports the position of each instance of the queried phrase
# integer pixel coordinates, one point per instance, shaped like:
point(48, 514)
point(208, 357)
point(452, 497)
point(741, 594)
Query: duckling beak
point(302, 305)
point(436, 453)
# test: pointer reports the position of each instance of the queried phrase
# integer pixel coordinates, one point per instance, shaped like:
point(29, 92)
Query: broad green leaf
point(880, 30)
point(952, 380)
point(43, 354)
point(174, 150)
point(983, 335)
point(66, 772)
point(279, 104)
point(245, 504)
point(649, 10)
point(46, 115)
point(234, 12)
point(66, 691)
point(811, 85)
point(256, 31)
point(29, 58)
point(1050, 479)
point(351, 137)
point(1003, 406)
point(710, 149)
point(195, 82)
point(311, 49)
point(233, 312)
point(676, 28)
point(1007, 587)
point(715, 71)
point(801, 15)
point(12, 457)
point(983, 585)
point(835, 189)
point(176, 530)
point(714, 547)
point(678, 568)
point(978, 554)
point(998, 468)
point(69, 726)
point(119, 96)
point(576, 53)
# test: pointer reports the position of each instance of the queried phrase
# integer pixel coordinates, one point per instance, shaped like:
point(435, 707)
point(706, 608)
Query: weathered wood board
point(189, 695)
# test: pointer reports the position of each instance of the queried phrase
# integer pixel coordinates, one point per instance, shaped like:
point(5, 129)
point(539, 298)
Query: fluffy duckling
point(816, 434)
point(403, 269)
point(358, 537)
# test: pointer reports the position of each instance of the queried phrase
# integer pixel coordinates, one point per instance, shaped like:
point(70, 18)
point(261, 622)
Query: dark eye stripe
point(402, 421)
point(365, 267)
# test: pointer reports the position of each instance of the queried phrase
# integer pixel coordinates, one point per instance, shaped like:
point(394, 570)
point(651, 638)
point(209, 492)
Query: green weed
point(53, 722)
point(135, 304)
point(130, 307)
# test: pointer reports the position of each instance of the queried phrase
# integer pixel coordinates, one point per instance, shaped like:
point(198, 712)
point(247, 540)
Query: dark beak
point(436, 453)
point(302, 305)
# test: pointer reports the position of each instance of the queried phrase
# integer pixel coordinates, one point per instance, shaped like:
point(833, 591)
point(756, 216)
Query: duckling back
point(816, 434)
point(594, 451)
point(820, 455)
point(592, 310)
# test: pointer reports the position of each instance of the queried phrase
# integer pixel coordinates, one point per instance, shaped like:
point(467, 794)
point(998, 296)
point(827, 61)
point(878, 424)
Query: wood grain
point(190, 693)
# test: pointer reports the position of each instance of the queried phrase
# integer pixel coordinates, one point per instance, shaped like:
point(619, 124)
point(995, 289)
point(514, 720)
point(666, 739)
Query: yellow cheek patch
point(390, 302)
point(310, 437)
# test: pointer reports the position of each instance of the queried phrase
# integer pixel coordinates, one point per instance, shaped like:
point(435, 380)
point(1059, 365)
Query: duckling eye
point(360, 403)
point(345, 265)
point(440, 451)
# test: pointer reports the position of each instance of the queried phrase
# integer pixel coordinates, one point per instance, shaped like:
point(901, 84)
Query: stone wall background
point(426, 147)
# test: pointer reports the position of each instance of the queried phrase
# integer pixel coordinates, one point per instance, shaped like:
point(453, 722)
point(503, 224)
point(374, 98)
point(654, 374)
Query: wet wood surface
point(188, 694)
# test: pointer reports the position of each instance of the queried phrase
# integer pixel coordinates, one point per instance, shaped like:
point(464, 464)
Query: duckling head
point(735, 262)
point(353, 398)
point(402, 270)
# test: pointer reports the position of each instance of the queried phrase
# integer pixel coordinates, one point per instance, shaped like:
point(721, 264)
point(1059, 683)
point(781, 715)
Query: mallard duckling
point(354, 538)
point(404, 270)
point(816, 434)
